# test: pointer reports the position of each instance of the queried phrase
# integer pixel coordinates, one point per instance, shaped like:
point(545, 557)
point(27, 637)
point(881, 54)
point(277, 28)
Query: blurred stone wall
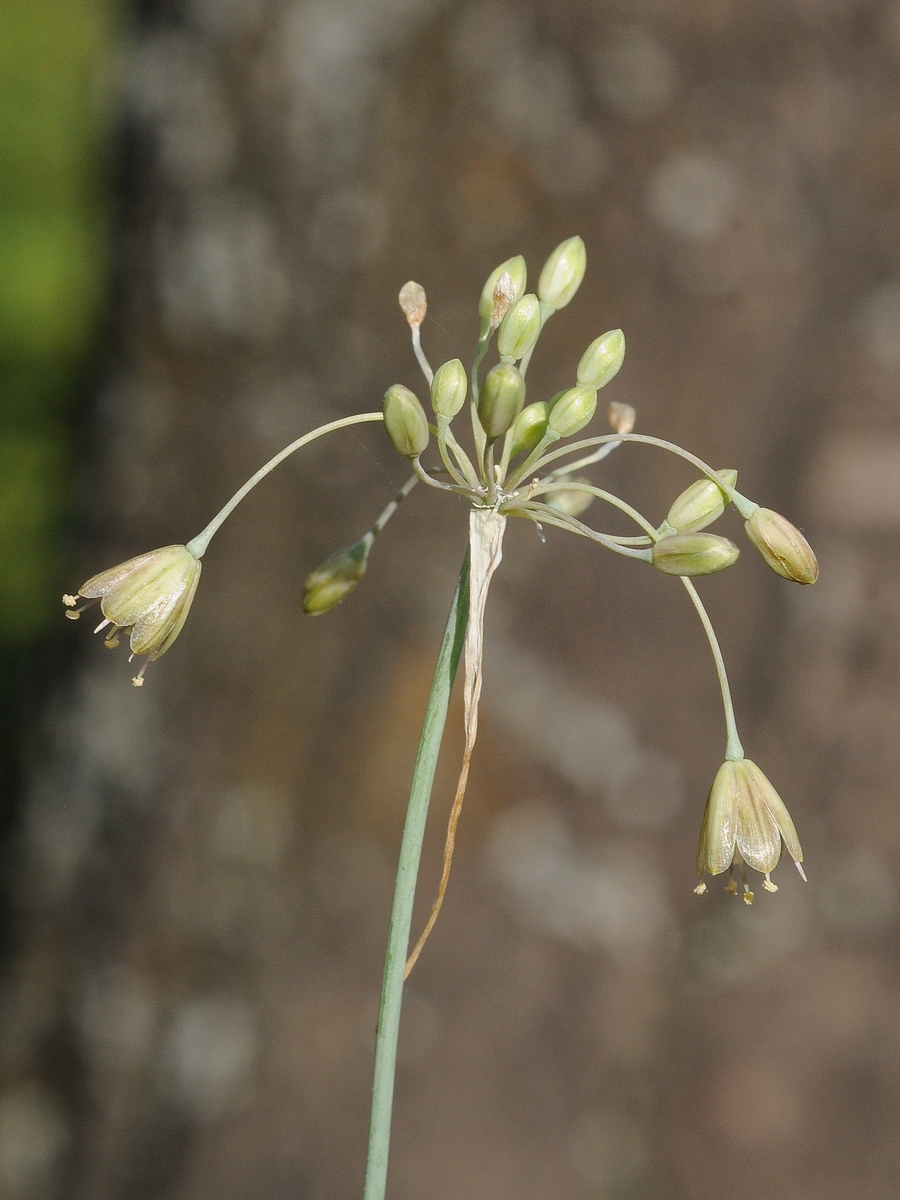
point(204, 872)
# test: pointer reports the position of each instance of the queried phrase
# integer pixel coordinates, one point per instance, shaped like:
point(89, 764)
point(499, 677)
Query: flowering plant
point(517, 460)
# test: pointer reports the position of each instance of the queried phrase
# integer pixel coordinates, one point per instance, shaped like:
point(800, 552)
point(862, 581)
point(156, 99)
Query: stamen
point(74, 613)
point(769, 885)
point(138, 680)
point(748, 895)
point(700, 888)
point(112, 638)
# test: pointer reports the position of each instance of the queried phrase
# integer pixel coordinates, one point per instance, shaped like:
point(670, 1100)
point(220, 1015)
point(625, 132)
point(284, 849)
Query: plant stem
point(405, 887)
point(744, 506)
point(198, 545)
point(543, 514)
point(734, 751)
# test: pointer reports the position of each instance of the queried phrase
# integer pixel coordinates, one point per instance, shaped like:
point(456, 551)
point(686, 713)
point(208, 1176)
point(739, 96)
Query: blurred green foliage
point(55, 70)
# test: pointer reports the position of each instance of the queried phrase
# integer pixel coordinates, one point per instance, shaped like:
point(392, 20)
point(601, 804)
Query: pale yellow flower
point(147, 597)
point(745, 821)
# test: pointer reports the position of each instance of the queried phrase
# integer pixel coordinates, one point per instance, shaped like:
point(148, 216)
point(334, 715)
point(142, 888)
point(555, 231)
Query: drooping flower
point(147, 597)
point(745, 823)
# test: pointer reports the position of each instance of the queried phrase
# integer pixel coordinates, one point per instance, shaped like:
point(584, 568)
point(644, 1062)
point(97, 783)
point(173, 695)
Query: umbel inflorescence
point(507, 458)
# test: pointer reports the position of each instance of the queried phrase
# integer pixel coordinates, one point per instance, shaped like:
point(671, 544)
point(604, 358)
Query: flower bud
point(572, 411)
point(562, 273)
point(518, 274)
point(602, 360)
point(701, 504)
point(572, 502)
point(621, 416)
point(693, 554)
point(783, 546)
point(448, 389)
point(529, 428)
point(412, 301)
point(501, 399)
point(336, 577)
point(745, 822)
point(405, 421)
point(520, 327)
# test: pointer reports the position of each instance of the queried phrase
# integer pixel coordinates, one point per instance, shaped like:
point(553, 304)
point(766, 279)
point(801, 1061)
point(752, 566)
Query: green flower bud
point(518, 273)
point(783, 546)
point(745, 821)
point(448, 389)
point(562, 273)
point(693, 554)
point(336, 577)
point(572, 502)
point(501, 399)
point(602, 360)
point(529, 427)
point(701, 504)
point(405, 421)
point(520, 327)
point(572, 411)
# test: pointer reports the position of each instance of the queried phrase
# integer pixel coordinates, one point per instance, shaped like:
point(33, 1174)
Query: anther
point(74, 613)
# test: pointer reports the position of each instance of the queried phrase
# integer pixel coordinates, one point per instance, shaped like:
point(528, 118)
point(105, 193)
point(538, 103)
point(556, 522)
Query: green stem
point(577, 485)
point(600, 453)
point(542, 514)
point(734, 751)
point(420, 354)
point(405, 886)
point(744, 506)
point(447, 440)
point(534, 459)
point(487, 332)
point(391, 508)
point(198, 545)
point(423, 477)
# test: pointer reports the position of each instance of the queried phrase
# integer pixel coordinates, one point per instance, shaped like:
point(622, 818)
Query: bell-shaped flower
point(147, 597)
point(745, 821)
